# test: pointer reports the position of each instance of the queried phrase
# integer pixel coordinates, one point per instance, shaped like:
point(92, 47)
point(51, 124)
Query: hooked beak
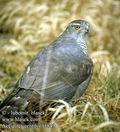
point(88, 29)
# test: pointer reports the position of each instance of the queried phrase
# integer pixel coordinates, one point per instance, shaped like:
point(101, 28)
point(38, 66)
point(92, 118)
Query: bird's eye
point(77, 27)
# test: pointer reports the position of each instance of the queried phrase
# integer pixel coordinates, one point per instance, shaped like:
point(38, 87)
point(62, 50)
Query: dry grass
point(27, 26)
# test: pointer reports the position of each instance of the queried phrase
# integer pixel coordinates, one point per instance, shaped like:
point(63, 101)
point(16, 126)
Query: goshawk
point(61, 70)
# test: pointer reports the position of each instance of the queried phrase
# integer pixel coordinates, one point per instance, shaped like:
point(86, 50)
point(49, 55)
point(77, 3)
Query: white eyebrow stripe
point(74, 24)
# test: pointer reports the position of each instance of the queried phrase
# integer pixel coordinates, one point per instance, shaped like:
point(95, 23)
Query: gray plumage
point(62, 70)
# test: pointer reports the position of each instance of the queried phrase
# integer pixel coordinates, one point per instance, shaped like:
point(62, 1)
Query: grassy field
point(28, 26)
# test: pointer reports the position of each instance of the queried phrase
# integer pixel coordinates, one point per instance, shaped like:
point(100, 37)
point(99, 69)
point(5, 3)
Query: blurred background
point(28, 26)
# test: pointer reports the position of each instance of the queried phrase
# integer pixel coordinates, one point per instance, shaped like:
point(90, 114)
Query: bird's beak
point(88, 29)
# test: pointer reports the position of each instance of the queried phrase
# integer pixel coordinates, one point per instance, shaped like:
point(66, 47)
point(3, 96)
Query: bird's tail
point(20, 106)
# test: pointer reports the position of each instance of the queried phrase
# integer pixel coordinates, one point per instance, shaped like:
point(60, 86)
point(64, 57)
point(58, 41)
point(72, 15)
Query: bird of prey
point(61, 70)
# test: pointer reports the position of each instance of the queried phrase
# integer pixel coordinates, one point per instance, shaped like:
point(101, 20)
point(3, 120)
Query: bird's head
point(78, 28)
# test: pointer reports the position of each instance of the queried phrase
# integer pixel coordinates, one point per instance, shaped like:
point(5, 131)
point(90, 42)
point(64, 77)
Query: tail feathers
point(18, 106)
